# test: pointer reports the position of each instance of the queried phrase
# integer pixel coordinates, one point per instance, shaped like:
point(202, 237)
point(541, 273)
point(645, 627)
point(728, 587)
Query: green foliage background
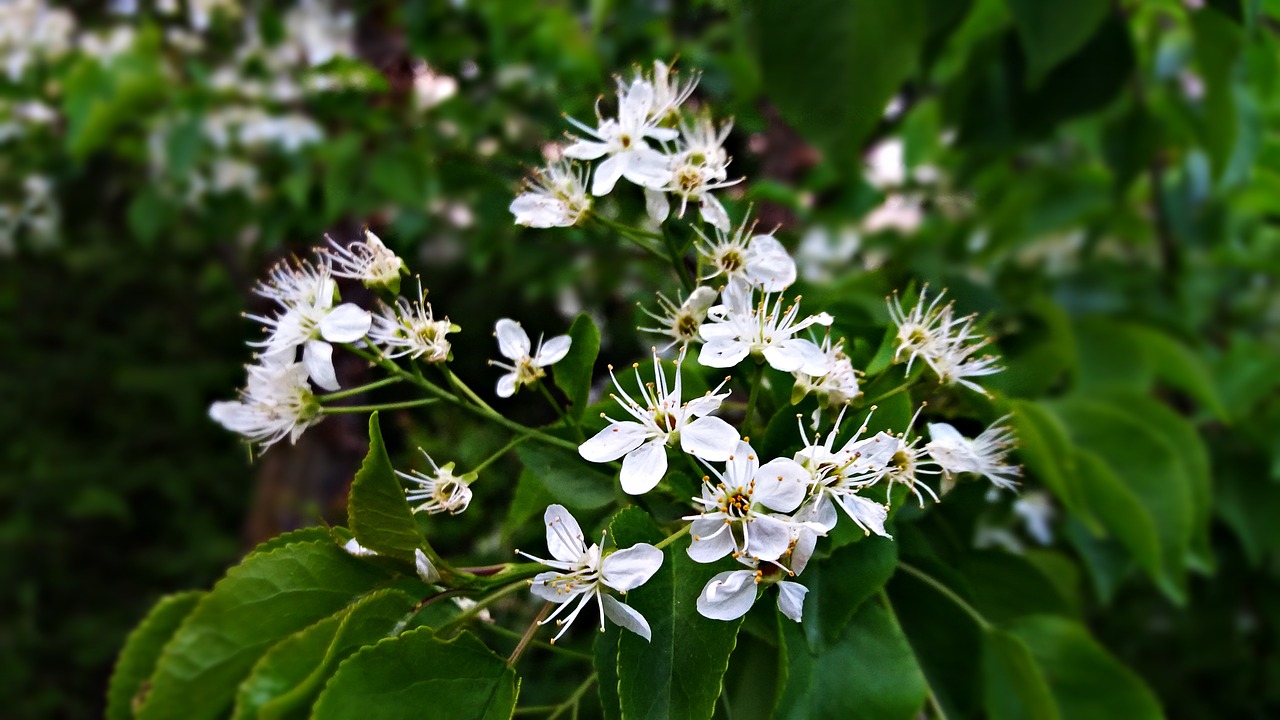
point(1110, 197)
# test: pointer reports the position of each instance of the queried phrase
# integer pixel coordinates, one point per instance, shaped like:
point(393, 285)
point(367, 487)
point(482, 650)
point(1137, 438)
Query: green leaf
point(1180, 366)
point(1007, 586)
point(678, 674)
point(831, 66)
point(148, 214)
point(415, 675)
point(1014, 688)
point(310, 534)
point(869, 672)
point(264, 599)
point(530, 500)
point(142, 649)
point(605, 653)
point(1218, 43)
point(1047, 452)
point(1087, 682)
point(288, 678)
point(573, 373)
point(757, 671)
point(380, 516)
point(572, 481)
point(1053, 31)
point(839, 585)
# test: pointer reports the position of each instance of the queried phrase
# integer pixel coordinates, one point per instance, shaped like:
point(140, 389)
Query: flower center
point(737, 505)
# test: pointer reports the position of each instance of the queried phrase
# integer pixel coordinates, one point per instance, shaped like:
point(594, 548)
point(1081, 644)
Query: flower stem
point(503, 451)
point(575, 698)
point(557, 649)
point(677, 262)
point(462, 387)
point(446, 630)
point(564, 417)
point(749, 415)
point(901, 388)
point(639, 237)
point(357, 390)
point(673, 537)
point(528, 635)
point(340, 409)
point(948, 593)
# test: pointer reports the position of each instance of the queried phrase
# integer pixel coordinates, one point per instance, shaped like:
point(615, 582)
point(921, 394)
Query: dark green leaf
point(572, 481)
point(1014, 687)
point(1006, 586)
point(573, 374)
point(267, 597)
point(839, 585)
point(380, 516)
point(142, 649)
point(606, 664)
point(415, 675)
point(285, 666)
point(678, 674)
point(1052, 32)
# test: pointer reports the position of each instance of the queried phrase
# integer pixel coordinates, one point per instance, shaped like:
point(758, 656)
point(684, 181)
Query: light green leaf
point(264, 599)
point(573, 373)
point(415, 675)
point(380, 516)
point(1014, 688)
point(142, 649)
point(572, 481)
point(678, 674)
point(1053, 31)
point(1086, 681)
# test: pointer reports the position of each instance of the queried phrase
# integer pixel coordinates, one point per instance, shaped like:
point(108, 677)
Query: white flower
point(983, 455)
point(307, 293)
point(623, 140)
point(922, 330)
point(729, 595)
point(737, 329)
point(319, 33)
point(412, 329)
point(932, 333)
point(660, 420)
point(1037, 511)
point(756, 260)
point(426, 571)
point(355, 549)
point(699, 166)
point(525, 369)
point(586, 572)
point(439, 492)
point(429, 88)
point(32, 29)
point(839, 386)
point(681, 322)
point(371, 262)
point(276, 403)
point(897, 460)
point(736, 517)
point(953, 363)
point(837, 478)
point(668, 92)
point(555, 197)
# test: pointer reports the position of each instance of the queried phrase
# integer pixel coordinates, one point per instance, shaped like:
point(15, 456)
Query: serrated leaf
point(1013, 686)
point(415, 675)
point(869, 672)
point(1086, 681)
point(142, 649)
point(264, 599)
point(1052, 32)
point(573, 373)
point(572, 481)
point(288, 678)
point(678, 674)
point(605, 660)
point(310, 534)
point(379, 514)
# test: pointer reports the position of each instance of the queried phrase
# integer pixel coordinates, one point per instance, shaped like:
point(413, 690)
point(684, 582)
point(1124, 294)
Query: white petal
point(722, 353)
point(945, 433)
point(742, 465)
point(346, 323)
point(628, 569)
point(656, 205)
point(586, 150)
point(513, 341)
point(708, 549)
point(318, 357)
point(648, 168)
point(704, 405)
point(564, 536)
point(540, 588)
point(607, 174)
point(709, 438)
point(700, 300)
point(553, 351)
point(714, 213)
point(625, 616)
point(643, 468)
point(728, 595)
point(507, 385)
point(768, 538)
point(803, 549)
point(355, 549)
point(867, 514)
point(425, 569)
point(781, 484)
point(613, 442)
point(539, 211)
point(791, 599)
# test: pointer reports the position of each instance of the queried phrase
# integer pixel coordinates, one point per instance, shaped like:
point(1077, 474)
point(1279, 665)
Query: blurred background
point(1100, 178)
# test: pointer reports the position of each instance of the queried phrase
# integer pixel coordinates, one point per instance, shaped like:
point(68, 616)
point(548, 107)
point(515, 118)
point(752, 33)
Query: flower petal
point(513, 341)
point(346, 323)
point(541, 587)
point(656, 205)
point(713, 212)
point(507, 385)
point(625, 616)
point(607, 174)
point(317, 355)
point(768, 538)
point(628, 569)
point(426, 571)
point(722, 353)
point(553, 351)
point(728, 595)
point(539, 211)
point(564, 535)
point(709, 438)
point(781, 484)
point(791, 599)
point(586, 150)
point(707, 546)
point(613, 442)
point(643, 468)
point(866, 514)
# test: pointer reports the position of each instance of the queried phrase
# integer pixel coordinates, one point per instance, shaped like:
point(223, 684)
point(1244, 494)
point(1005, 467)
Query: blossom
point(355, 549)
point(412, 329)
point(441, 491)
point(660, 420)
point(586, 571)
point(736, 515)
point(276, 403)
point(837, 478)
point(1037, 511)
point(737, 329)
point(623, 141)
point(370, 261)
point(669, 93)
point(525, 369)
point(429, 88)
point(838, 386)
point(555, 197)
point(945, 343)
point(983, 455)
point(729, 595)
point(743, 257)
point(426, 570)
point(681, 322)
point(699, 166)
point(307, 293)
